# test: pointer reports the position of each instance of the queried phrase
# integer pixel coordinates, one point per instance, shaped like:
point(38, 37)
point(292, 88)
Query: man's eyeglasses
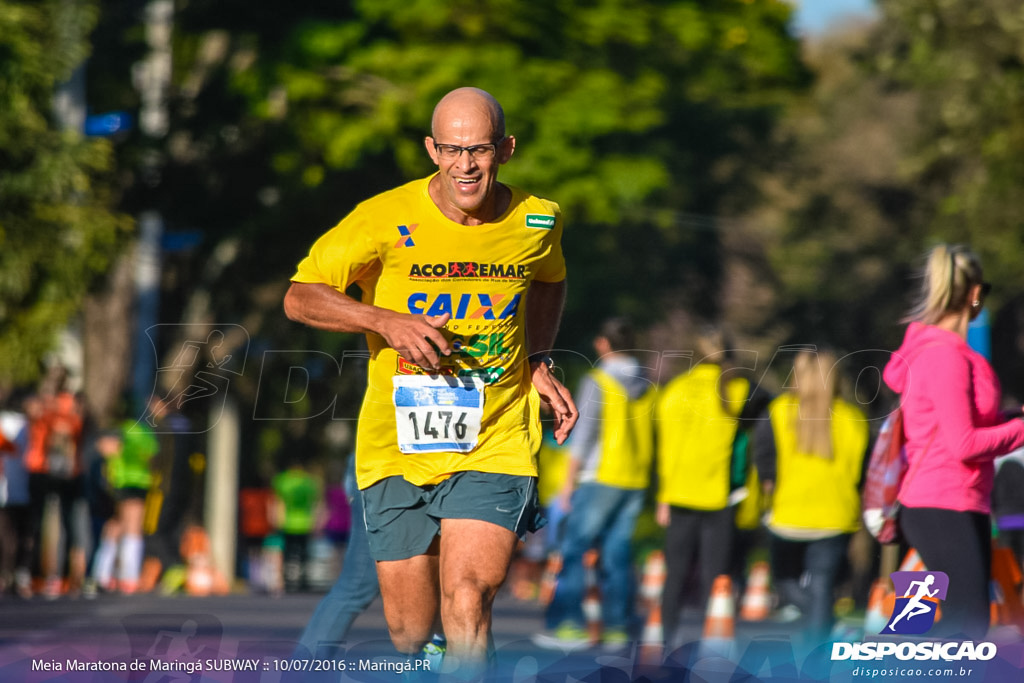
point(477, 152)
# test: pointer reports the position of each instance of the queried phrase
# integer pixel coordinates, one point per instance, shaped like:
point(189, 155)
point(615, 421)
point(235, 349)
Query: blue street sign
point(104, 125)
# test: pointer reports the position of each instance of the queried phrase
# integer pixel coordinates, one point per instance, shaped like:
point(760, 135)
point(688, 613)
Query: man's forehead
point(464, 119)
point(466, 109)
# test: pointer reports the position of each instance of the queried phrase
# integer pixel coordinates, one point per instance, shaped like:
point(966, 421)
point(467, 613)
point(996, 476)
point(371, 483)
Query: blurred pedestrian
point(118, 564)
point(1008, 502)
point(99, 497)
point(609, 472)
point(697, 425)
point(255, 512)
point(955, 430)
point(337, 523)
point(15, 529)
point(810, 455)
point(103, 508)
point(167, 501)
point(354, 590)
point(52, 459)
point(298, 496)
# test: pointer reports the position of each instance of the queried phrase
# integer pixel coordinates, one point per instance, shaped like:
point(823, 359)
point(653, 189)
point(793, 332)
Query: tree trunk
point(107, 341)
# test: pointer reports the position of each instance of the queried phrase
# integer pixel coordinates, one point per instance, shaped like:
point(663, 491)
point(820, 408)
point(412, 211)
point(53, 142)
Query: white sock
point(131, 558)
point(103, 564)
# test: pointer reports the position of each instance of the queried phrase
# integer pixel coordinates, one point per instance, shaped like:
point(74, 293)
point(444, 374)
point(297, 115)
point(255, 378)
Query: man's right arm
point(416, 337)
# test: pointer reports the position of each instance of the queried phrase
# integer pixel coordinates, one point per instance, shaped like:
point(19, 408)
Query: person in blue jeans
point(609, 472)
point(354, 590)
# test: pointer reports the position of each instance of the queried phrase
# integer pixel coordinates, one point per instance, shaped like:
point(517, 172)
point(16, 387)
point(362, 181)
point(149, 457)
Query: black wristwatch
point(543, 358)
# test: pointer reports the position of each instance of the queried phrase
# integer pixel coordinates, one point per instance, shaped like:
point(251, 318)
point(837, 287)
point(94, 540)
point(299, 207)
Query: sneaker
point(787, 614)
point(23, 583)
point(567, 636)
point(90, 589)
point(433, 652)
point(53, 588)
point(614, 639)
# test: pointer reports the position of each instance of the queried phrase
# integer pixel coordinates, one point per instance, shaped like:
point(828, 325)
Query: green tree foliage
point(56, 229)
point(910, 136)
point(965, 62)
point(838, 223)
point(634, 115)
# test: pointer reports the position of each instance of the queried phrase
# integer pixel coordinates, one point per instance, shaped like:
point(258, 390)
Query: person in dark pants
point(698, 418)
point(810, 456)
point(955, 429)
point(298, 495)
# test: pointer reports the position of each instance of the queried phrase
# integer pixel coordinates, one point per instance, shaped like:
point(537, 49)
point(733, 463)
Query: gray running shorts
point(402, 519)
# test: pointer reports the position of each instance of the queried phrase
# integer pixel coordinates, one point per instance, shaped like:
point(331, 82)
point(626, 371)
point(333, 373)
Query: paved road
point(242, 638)
point(40, 640)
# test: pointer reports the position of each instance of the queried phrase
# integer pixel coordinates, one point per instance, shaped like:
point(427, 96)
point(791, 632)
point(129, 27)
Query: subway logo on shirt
point(466, 305)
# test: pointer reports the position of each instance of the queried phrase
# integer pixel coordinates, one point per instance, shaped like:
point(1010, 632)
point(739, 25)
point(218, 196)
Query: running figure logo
point(917, 601)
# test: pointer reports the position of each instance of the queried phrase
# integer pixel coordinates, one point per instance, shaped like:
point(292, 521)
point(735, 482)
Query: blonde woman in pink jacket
point(955, 430)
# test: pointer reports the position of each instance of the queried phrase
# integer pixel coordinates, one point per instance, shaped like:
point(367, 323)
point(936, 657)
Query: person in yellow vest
point(810, 455)
point(698, 417)
point(609, 471)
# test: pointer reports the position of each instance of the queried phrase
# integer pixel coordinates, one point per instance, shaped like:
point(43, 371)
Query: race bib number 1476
point(437, 414)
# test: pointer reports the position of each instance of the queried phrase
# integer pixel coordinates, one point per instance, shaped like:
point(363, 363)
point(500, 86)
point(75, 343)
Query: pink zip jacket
point(950, 398)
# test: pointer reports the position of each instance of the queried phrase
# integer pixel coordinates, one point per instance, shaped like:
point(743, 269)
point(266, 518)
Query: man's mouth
point(467, 182)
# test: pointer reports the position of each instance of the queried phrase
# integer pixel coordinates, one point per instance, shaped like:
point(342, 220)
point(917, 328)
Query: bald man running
point(463, 282)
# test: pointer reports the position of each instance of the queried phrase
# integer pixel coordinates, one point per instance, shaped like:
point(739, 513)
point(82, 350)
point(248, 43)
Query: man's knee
point(470, 596)
point(407, 638)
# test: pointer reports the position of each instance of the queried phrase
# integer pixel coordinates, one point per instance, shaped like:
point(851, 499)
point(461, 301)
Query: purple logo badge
point(917, 601)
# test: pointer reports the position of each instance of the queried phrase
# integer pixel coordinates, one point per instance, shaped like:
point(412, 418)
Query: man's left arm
point(544, 301)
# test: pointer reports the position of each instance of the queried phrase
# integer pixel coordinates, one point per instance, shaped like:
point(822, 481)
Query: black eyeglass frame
point(439, 146)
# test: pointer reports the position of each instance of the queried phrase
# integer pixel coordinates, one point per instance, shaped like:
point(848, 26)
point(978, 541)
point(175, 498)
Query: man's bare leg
point(409, 590)
point(474, 561)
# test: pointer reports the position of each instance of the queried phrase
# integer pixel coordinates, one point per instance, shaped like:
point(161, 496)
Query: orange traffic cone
point(720, 622)
point(651, 648)
point(549, 579)
point(1007, 609)
point(201, 578)
point(757, 601)
point(592, 597)
point(653, 582)
point(912, 562)
point(996, 604)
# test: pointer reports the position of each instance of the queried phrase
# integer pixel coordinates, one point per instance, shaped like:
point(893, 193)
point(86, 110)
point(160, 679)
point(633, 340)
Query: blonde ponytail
point(946, 280)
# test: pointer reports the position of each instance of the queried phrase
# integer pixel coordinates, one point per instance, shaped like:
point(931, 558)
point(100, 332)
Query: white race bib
point(440, 413)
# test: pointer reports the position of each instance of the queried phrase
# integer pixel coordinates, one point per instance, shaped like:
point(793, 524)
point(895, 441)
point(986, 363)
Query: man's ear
point(506, 149)
point(428, 143)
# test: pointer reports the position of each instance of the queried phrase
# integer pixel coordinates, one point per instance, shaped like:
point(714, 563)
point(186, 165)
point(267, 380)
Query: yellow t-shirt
point(405, 255)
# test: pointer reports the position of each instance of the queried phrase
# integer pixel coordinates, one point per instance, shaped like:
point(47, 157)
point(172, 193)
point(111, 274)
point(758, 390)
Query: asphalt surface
point(249, 638)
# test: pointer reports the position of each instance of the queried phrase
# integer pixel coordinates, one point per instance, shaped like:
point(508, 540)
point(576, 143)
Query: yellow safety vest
point(812, 492)
point(695, 438)
point(627, 439)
